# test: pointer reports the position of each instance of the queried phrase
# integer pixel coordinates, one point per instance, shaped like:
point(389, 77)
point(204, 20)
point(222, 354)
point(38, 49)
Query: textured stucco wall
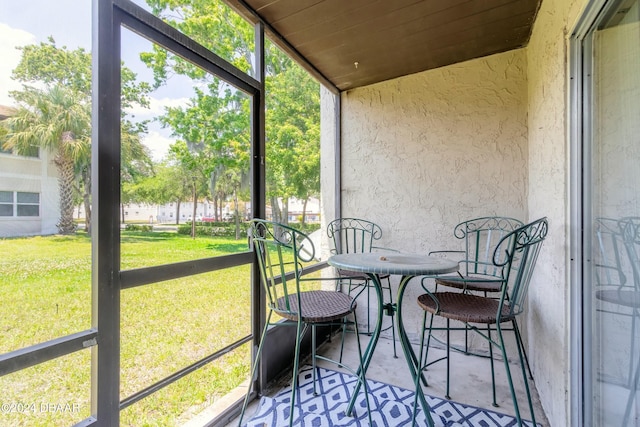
point(484, 137)
point(548, 317)
point(424, 152)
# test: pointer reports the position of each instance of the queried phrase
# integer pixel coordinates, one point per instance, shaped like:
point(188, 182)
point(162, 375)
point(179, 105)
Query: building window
point(6, 203)
point(18, 203)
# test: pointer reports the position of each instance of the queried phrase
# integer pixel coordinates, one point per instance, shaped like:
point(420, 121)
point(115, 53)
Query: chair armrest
point(428, 292)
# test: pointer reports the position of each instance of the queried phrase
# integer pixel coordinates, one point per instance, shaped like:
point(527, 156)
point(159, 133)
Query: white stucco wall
point(423, 152)
point(34, 175)
point(548, 318)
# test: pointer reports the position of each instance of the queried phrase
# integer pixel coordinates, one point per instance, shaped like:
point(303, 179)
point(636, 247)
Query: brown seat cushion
point(318, 306)
point(464, 307)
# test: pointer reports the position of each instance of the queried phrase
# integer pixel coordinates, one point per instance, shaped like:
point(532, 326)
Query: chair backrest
point(630, 230)
point(352, 235)
point(516, 254)
point(280, 250)
point(481, 236)
point(610, 256)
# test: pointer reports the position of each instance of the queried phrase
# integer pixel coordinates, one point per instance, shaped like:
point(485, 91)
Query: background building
point(28, 192)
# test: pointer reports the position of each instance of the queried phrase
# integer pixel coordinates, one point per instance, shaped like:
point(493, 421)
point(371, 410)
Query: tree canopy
point(215, 124)
point(54, 113)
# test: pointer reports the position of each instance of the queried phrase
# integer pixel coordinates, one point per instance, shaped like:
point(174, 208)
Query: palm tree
point(56, 119)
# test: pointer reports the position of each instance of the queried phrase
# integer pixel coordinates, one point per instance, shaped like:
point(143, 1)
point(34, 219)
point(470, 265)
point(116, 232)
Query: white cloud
point(10, 38)
point(158, 144)
point(156, 107)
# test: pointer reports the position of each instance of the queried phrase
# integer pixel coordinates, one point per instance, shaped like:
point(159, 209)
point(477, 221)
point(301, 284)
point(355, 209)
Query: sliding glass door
point(611, 212)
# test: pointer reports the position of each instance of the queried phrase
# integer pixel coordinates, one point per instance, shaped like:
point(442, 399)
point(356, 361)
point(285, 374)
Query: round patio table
point(408, 266)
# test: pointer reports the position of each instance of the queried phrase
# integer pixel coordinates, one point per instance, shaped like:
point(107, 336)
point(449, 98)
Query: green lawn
point(45, 292)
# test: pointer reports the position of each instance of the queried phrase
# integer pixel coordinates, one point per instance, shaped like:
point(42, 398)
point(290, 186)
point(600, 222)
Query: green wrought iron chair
point(478, 274)
point(617, 287)
point(513, 260)
point(355, 235)
point(281, 252)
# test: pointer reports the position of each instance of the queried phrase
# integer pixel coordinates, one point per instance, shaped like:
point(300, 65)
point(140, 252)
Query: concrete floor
point(470, 377)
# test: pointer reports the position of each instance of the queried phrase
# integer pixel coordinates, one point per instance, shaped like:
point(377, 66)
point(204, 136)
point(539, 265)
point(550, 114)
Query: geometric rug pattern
point(390, 406)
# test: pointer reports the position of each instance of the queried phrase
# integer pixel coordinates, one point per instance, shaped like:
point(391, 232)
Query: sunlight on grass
point(172, 247)
point(45, 293)
point(54, 393)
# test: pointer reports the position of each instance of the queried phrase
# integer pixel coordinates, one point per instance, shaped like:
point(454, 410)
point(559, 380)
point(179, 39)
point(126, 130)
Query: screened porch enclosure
point(520, 109)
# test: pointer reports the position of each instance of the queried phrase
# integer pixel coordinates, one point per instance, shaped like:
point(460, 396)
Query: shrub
point(214, 229)
point(138, 227)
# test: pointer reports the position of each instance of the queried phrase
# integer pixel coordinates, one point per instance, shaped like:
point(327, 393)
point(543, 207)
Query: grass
point(45, 293)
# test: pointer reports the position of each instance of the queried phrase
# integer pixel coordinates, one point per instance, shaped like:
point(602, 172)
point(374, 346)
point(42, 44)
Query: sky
point(69, 23)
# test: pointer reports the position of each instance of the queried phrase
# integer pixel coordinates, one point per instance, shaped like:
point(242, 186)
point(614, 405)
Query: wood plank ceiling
point(354, 43)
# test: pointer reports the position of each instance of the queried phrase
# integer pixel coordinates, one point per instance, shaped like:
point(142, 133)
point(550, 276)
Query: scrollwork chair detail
point(281, 252)
point(356, 235)
point(513, 259)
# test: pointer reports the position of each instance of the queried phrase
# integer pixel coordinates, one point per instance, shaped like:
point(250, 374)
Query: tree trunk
point(178, 212)
point(195, 210)
point(65, 184)
point(304, 212)
point(86, 198)
point(285, 212)
point(275, 210)
point(237, 214)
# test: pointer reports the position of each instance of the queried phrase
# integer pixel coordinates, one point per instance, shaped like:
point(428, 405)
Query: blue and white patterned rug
point(390, 406)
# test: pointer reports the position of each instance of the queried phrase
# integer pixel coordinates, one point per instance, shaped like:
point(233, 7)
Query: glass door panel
point(616, 217)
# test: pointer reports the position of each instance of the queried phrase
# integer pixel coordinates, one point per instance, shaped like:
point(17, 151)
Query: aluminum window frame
point(581, 215)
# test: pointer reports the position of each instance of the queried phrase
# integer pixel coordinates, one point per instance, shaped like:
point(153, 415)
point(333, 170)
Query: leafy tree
point(293, 142)
point(57, 119)
point(54, 79)
point(136, 161)
point(293, 136)
point(212, 136)
point(168, 184)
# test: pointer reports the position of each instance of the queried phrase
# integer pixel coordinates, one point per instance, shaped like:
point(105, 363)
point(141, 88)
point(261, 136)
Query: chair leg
point(632, 394)
point(633, 379)
point(254, 368)
point(368, 285)
point(493, 371)
point(426, 352)
point(344, 331)
point(448, 359)
point(313, 358)
point(508, 371)
point(510, 379)
point(516, 330)
point(296, 367)
point(521, 354)
point(344, 322)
